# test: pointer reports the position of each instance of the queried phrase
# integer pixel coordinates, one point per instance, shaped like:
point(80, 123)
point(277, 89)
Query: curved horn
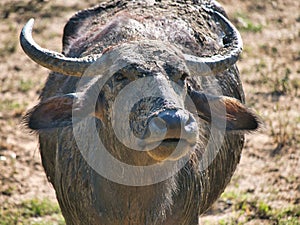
point(54, 61)
point(220, 62)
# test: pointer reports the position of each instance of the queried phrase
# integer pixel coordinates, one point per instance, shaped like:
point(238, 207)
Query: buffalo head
point(167, 106)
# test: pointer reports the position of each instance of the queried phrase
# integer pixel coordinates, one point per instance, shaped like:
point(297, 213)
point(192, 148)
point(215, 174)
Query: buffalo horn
point(54, 61)
point(217, 63)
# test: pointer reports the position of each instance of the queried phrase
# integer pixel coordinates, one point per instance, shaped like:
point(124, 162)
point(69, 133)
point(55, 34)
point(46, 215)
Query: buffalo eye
point(183, 76)
point(181, 80)
point(176, 72)
point(120, 77)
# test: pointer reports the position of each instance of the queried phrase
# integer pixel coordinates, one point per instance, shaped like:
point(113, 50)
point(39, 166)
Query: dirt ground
point(266, 186)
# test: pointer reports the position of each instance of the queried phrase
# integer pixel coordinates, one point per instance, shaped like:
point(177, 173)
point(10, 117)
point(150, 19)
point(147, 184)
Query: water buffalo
point(156, 75)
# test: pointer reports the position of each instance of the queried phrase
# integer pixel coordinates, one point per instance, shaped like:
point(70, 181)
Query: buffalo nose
point(174, 125)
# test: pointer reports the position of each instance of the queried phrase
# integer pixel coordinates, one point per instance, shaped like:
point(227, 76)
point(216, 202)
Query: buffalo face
point(140, 92)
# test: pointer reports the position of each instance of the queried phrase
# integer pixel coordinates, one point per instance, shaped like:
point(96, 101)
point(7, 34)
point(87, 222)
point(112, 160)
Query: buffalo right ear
point(236, 116)
point(52, 113)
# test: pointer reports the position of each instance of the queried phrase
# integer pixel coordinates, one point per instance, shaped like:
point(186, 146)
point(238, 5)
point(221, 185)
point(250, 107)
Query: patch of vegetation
point(234, 196)
point(269, 50)
point(259, 210)
point(245, 24)
point(281, 85)
point(8, 191)
point(32, 212)
point(21, 7)
point(276, 77)
point(25, 85)
point(284, 130)
point(14, 106)
point(39, 8)
point(246, 208)
point(36, 208)
point(295, 83)
point(10, 47)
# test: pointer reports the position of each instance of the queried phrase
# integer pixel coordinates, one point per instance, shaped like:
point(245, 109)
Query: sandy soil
point(268, 177)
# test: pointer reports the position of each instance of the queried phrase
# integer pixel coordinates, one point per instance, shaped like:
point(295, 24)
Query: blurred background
point(266, 186)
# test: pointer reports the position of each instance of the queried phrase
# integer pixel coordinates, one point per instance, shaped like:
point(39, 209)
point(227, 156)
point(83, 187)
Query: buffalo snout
point(175, 131)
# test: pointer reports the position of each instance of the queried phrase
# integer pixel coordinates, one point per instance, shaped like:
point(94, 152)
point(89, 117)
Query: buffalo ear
point(51, 113)
point(237, 116)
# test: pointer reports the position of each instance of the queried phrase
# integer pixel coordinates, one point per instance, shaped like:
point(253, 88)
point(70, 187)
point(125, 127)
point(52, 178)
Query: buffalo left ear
point(51, 113)
point(62, 111)
point(237, 116)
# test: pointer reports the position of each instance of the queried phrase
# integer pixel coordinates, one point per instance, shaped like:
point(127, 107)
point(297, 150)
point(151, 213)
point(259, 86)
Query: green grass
point(284, 132)
point(12, 106)
point(9, 47)
point(245, 208)
point(25, 85)
point(235, 196)
point(295, 83)
point(36, 208)
point(32, 212)
point(262, 210)
point(245, 24)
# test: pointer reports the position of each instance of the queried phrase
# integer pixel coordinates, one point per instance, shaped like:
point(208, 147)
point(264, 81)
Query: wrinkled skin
point(84, 196)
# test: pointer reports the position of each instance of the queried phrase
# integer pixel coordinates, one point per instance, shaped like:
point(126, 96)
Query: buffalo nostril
point(158, 124)
point(157, 129)
point(176, 119)
point(179, 124)
point(191, 129)
point(190, 124)
point(172, 125)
